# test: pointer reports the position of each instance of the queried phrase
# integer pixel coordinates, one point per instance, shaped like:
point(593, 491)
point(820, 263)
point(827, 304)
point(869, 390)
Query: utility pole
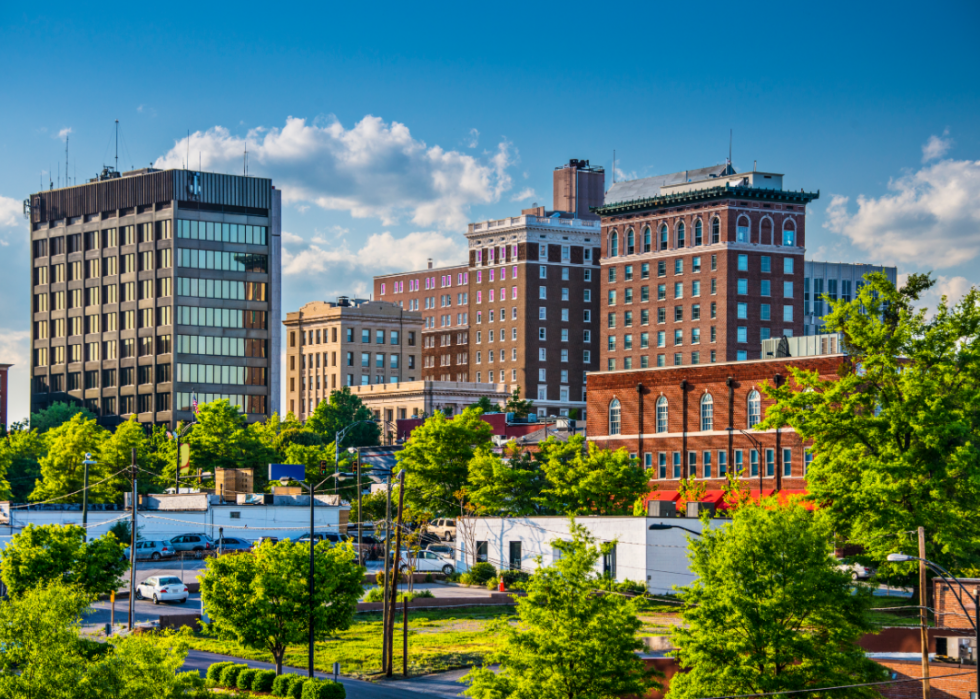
point(393, 597)
point(384, 611)
point(923, 613)
point(132, 543)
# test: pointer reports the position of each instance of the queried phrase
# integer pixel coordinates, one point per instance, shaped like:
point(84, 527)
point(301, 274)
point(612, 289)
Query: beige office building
point(353, 342)
point(397, 401)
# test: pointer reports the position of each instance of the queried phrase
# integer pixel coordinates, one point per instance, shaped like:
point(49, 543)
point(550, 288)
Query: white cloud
point(953, 288)
point(375, 169)
point(474, 138)
point(11, 212)
point(15, 349)
point(381, 252)
point(936, 147)
point(63, 134)
point(931, 218)
point(525, 194)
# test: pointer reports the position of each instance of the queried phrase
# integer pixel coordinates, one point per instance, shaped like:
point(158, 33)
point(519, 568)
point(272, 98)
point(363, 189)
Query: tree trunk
point(277, 655)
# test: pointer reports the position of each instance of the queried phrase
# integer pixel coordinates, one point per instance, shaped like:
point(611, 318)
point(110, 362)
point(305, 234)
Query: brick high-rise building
point(154, 289)
point(523, 310)
point(700, 266)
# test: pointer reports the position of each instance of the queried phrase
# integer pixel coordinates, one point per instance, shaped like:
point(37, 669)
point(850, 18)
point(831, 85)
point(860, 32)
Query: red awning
point(751, 494)
point(714, 496)
point(668, 495)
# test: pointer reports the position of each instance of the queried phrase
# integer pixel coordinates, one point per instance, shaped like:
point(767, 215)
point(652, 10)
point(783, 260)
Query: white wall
point(657, 557)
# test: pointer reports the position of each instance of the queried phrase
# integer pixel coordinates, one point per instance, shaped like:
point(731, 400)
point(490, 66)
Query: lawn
point(438, 640)
point(900, 617)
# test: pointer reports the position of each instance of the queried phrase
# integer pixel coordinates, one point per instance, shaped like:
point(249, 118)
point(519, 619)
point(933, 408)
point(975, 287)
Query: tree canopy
point(572, 641)
point(485, 405)
point(262, 600)
point(58, 414)
point(520, 407)
point(895, 433)
point(769, 611)
point(48, 553)
point(342, 410)
point(62, 471)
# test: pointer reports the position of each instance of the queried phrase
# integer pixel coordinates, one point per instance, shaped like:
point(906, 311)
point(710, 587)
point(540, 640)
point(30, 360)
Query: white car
point(162, 588)
point(426, 562)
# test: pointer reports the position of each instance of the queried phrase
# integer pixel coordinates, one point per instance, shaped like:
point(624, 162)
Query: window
point(787, 462)
point(787, 314)
point(662, 414)
point(707, 412)
point(695, 337)
point(661, 315)
point(630, 247)
point(677, 464)
point(612, 297)
point(787, 265)
point(763, 311)
point(742, 310)
point(542, 334)
point(611, 343)
point(807, 460)
point(662, 465)
point(743, 286)
point(678, 266)
point(614, 417)
point(646, 239)
point(765, 288)
point(680, 234)
point(698, 232)
point(788, 290)
point(741, 334)
point(661, 339)
point(678, 290)
point(661, 292)
point(741, 355)
point(714, 310)
point(692, 464)
point(770, 462)
point(789, 235)
point(696, 311)
point(542, 293)
point(715, 231)
point(753, 462)
point(743, 263)
point(586, 296)
point(678, 337)
point(722, 463)
point(742, 230)
point(755, 409)
point(664, 238)
point(766, 263)
point(542, 273)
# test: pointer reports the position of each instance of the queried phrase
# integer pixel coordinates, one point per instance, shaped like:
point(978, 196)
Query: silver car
point(152, 550)
point(231, 543)
point(192, 542)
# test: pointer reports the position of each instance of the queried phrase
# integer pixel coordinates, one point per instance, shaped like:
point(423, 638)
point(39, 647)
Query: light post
point(949, 579)
point(758, 446)
point(656, 527)
point(87, 462)
point(336, 444)
point(177, 434)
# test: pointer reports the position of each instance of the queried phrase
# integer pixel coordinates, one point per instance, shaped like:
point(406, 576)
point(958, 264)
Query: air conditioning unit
point(695, 509)
point(661, 508)
point(959, 648)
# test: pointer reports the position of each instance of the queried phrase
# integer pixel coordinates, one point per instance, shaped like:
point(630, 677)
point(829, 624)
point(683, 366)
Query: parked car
point(162, 588)
point(231, 543)
point(858, 571)
point(426, 562)
point(151, 550)
point(442, 550)
point(192, 542)
point(445, 529)
point(262, 539)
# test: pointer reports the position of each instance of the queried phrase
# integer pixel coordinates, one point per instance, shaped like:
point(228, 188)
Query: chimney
point(430, 263)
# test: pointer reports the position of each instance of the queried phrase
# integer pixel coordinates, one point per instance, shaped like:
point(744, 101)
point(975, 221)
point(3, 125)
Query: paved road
point(143, 610)
point(356, 689)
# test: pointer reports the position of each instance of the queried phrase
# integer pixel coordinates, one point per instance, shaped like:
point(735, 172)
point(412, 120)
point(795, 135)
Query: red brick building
point(700, 266)
point(676, 420)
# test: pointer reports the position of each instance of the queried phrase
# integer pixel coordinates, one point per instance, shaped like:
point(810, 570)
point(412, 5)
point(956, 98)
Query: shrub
point(214, 672)
point(280, 686)
point(375, 594)
point(296, 687)
point(492, 583)
point(514, 576)
point(428, 577)
point(481, 573)
point(262, 682)
point(245, 678)
point(324, 689)
point(229, 676)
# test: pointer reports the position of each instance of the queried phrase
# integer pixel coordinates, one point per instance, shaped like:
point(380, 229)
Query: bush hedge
point(229, 676)
point(280, 686)
point(323, 689)
point(296, 686)
point(481, 572)
point(262, 682)
point(214, 672)
point(245, 678)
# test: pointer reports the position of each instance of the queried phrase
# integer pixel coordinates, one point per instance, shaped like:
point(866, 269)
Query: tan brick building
point(348, 343)
point(700, 266)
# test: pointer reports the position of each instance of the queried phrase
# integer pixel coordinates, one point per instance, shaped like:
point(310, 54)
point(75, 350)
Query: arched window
point(664, 239)
point(614, 244)
point(615, 412)
point(630, 242)
point(742, 230)
point(707, 412)
point(789, 234)
point(661, 414)
point(715, 231)
point(647, 240)
point(680, 234)
point(755, 409)
point(698, 233)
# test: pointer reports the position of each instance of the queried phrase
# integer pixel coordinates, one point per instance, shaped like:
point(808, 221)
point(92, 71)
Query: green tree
point(484, 405)
point(45, 656)
point(59, 553)
point(269, 432)
point(436, 460)
point(262, 600)
point(518, 406)
point(769, 611)
point(894, 434)
point(596, 482)
point(58, 414)
point(115, 455)
point(222, 439)
point(373, 507)
point(62, 471)
point(20, 452)
point(344, 409)
point(571, 641)
point(506, 488)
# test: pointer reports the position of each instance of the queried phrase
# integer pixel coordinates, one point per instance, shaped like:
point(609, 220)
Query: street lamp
point(758, 446)
point(336, 444)
point(87, 462)
point(285, 481)
point(661, 527)
point(949, 579)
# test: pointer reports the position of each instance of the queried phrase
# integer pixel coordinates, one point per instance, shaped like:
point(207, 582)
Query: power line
point(843, 686)
point(68, 495)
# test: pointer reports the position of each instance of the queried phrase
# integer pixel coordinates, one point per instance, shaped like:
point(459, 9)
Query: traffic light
point(323, 468)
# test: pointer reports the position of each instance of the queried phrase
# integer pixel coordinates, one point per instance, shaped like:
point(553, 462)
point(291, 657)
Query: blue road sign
point(279, 471)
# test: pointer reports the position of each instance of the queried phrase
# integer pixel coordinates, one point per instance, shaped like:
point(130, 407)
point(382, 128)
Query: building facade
point(155, 290)
point(676, 421)
point(4, 369)
point(350, 342)
point(837, 280)
point(700, 266)
point(441, 295)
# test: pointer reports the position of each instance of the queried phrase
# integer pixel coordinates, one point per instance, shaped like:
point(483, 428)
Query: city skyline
point(385, 154)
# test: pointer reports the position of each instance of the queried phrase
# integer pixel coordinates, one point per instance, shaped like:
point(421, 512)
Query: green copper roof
point(710, 193)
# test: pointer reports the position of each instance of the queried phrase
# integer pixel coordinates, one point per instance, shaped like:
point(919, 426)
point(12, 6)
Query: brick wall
point(949, 613)
point(941, 687)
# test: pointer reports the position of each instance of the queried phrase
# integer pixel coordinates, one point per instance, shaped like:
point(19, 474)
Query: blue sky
point(388, 126)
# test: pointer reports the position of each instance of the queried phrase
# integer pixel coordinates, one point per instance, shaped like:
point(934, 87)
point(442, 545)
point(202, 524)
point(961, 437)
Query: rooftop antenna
point(730, 132)
point(245, 160)
point(66, 160)
point(187, 161)
point(614, 166)
point(117, 145)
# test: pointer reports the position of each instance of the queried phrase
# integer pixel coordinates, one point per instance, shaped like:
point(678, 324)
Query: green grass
point(902, 617)
point(438, 640)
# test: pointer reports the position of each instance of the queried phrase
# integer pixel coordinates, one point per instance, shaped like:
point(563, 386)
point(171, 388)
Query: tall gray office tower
point(153, 290)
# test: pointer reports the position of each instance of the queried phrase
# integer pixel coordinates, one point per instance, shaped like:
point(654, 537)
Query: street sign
point(185, 458)
point(294, 471)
